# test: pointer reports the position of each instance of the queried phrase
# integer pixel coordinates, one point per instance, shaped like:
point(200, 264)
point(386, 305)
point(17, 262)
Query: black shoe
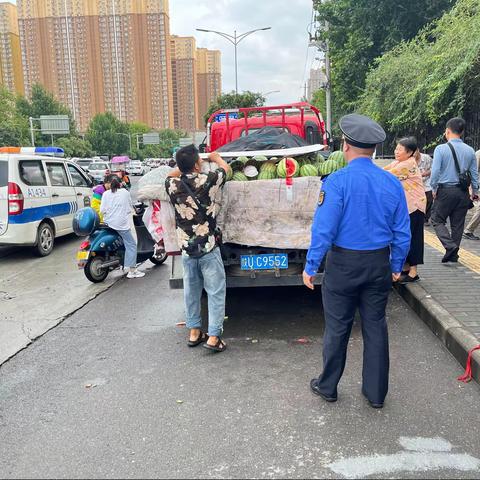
point(314, 388)
point(408, 279)
point(373, 404)
point(451, 256)
point(470, 236)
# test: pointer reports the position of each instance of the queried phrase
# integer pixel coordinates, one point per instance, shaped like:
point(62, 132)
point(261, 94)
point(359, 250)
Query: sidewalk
point(448, 298)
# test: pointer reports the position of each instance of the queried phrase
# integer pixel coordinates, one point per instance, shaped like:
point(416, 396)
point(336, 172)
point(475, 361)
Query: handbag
point(464, 179)
point(217, 233)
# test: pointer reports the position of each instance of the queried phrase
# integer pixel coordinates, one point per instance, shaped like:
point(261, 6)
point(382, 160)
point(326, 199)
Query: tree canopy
point(362, 30)
point(420, 83)
point(232, 100)
point(107, 135)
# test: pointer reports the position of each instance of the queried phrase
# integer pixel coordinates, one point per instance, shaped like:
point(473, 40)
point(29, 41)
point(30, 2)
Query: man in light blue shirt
point(451, 200)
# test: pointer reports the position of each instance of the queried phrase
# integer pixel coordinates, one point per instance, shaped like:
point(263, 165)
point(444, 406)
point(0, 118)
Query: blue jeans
point(207, 273)
point(130, 248)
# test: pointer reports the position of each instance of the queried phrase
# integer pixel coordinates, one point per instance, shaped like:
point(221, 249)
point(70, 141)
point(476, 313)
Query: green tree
point(13, 127)
point(231, 100)
point(362, 30)
point(418, 85)
point(103, 135)
point(42, 102)
point(75, 147)
point(319, 100)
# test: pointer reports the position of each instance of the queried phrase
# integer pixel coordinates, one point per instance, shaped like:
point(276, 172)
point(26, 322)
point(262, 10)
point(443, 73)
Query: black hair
point(186, 158)
point(115, 183)
point(108, 178)
point(409, 143)
point(456, 125)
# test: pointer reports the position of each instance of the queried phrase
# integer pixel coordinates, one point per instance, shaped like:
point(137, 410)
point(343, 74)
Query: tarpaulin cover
point(267, 138)
point(260, 213)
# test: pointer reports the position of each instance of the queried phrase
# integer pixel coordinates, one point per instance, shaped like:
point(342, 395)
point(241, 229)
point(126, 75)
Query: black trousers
point(417, 225)
point(356, 280)
point(428, 212)
point(451, 203)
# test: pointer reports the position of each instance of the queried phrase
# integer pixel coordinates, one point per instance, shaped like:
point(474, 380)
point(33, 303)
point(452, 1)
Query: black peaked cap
point(361, 131)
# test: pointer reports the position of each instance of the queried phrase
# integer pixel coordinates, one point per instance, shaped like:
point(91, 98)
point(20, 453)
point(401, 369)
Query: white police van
point(39, 194)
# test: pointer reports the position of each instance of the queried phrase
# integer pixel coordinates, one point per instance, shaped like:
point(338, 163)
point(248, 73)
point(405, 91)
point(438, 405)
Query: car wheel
point(93, 270)
point(45, 240)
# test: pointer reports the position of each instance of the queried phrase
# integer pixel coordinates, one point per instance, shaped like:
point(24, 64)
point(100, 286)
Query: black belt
point(448, 185)
point(347, 250)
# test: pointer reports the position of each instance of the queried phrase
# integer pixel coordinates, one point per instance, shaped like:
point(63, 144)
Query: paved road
point(114, 392)
point(37, 293)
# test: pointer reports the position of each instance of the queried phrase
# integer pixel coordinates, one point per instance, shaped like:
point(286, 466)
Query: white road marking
point(426, 454)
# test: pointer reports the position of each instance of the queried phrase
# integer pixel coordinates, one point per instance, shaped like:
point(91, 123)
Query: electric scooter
point(104, 250)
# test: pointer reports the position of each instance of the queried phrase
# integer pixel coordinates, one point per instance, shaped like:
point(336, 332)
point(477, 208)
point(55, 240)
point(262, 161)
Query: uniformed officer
point(362, 223)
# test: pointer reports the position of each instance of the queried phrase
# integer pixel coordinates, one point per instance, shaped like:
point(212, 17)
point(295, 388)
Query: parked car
point(98, 170)
point(137, 168)
point(38, 197)
point(83, 162)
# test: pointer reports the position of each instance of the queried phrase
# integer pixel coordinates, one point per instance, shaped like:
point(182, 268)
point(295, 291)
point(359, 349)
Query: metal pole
point(236, 63)
point(31, 131)
point(130, 141)
point(328, 91)
point(138, 142)
point(72, 90)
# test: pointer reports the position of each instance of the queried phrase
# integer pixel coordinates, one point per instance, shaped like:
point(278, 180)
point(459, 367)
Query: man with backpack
point(454, 173)
point(193, 195)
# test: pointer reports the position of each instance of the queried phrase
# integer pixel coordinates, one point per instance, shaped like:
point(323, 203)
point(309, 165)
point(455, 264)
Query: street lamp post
point(235, 40)
point(270, 93)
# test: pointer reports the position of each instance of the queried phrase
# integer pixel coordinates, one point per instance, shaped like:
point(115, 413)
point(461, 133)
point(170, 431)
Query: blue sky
point(271, 60)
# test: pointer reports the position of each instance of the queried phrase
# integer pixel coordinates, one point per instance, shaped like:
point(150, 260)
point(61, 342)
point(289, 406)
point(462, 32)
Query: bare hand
point(396, 277)
point(215, 157)
point(308, 281)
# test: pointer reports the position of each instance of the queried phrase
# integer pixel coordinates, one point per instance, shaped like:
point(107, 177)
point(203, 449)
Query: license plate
point(264, 262)
point(82, 255)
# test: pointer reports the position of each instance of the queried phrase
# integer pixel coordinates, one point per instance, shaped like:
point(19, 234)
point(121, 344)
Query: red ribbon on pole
point(467, 376)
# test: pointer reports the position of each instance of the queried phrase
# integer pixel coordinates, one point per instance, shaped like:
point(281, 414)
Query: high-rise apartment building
point(184, 77)
point(100, 55)
point(11, 74)
point(209, 80)
point(317, 80)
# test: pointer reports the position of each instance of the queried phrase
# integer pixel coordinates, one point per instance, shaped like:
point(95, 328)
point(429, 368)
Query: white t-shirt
point(116, 209)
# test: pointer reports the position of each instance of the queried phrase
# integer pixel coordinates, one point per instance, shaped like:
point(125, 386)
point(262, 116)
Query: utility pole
point(324, 47)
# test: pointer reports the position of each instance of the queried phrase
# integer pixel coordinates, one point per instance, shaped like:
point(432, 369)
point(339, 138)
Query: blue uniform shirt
point(443, 168)
point(364, 208)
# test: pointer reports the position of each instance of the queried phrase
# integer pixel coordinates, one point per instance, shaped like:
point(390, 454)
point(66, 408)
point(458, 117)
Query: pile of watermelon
point(243, 169)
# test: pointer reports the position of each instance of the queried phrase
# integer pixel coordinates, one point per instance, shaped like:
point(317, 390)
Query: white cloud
point(270, 60)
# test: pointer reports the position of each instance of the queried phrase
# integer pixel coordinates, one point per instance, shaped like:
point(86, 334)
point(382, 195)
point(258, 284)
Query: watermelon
point(268, 167)
point(251, 172)
point(229, 173)
point(282, 168)
point(308, 171)
point(329, 167)
point(338, 158)
point(239, 177)
point(267, 175)
point(260, 158)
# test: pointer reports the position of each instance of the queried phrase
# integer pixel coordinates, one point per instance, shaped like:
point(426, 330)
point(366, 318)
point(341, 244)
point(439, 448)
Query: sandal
point(220, 346)
point(203, 337)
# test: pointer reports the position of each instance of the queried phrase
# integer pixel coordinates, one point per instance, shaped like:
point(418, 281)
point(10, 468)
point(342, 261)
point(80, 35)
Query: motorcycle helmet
point(85, 221)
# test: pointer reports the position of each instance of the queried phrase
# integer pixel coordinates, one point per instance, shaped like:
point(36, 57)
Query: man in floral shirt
point(193, 196)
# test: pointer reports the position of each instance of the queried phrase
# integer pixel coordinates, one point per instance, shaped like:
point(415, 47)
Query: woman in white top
point(116, 209)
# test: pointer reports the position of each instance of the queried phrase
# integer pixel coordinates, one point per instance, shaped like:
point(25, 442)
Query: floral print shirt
point(409, 174)
point(195, 226)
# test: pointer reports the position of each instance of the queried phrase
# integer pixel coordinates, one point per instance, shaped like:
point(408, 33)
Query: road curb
point(458, 340)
